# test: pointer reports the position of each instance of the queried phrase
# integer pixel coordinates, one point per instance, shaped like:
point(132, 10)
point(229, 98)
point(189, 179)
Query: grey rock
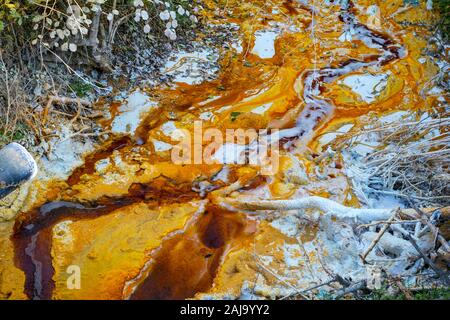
point(17, 166)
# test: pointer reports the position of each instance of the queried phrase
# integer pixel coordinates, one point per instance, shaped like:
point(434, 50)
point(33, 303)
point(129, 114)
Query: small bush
point(10, 12)
point(45, 44)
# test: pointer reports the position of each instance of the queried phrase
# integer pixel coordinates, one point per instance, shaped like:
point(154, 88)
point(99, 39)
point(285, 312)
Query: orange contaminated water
point(181, 253)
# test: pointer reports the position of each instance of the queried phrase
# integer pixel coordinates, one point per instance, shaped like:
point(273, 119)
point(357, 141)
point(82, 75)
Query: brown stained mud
point(32, 236)
point(187, 263)
point(89, 162)
point(32, 241)
point(289, 5)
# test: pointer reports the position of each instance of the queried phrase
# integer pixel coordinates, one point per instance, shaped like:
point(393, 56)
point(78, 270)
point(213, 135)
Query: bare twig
point(442, 275)
point(62, 100)
point(403, 289)
point(350, 289)
point(425, 220)
point(377, 239)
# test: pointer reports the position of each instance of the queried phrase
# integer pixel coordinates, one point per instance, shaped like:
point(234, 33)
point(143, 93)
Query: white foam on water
point(368, 86)
point(129, 117)
point(265, 43)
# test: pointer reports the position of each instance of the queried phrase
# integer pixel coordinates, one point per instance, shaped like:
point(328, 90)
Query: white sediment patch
point(328, 137)
point(102, 165)
point(206, 116)
point(335, 249)
point(230, 153)
point(224, 108)
point(129, 117)
point(209, 100)
point(368, 86)
point(66, 153)
point(265, 43)
point(355, 168)
point(223, 175)
point(347, 35)
point(192, 67)
point(262, 109)
point(237, 45)
point(292, 255)
point(394, 116)
point(161, 146)
point(168, 128)
point(287, 225)
point(63, 232)
point(235, 41)
point(374, 17)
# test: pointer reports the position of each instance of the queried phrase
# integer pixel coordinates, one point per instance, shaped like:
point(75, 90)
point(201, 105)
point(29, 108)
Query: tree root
point(328, 206)
point(62, 100)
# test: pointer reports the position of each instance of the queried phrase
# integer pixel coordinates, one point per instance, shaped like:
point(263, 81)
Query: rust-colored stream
point(304, 103)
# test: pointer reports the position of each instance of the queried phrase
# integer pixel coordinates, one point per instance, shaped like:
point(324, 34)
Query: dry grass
point(414, 160)
point(16, 116)
point(30, 119)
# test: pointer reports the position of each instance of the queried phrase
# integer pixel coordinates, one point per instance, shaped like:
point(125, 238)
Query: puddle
point(187, 263)
point(129, 113)
point(265, 44)
point(367, 86)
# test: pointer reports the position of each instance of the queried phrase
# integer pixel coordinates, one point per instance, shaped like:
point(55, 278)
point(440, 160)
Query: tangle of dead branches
point(412, 160)
point(409, 237)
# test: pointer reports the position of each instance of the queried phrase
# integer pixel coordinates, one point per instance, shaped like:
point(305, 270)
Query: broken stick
point(380, 234)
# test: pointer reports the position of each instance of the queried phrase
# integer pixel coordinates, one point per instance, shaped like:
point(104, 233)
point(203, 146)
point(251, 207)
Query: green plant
point(10, 11)
point(234, 115)
point(424, 294)
point(19, 133)
point(443, 6)
point(81, 88)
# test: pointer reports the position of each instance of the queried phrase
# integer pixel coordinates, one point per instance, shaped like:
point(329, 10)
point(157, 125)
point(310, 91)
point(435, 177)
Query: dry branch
point(350, 289)
point(63, 101)
point(441, 274)
point(314, 202)
point(377, 239)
